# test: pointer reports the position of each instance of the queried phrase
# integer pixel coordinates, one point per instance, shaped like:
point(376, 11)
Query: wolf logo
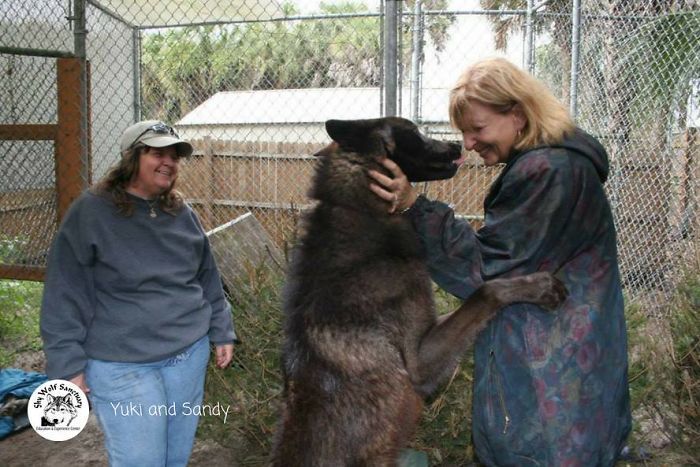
point(59, 411)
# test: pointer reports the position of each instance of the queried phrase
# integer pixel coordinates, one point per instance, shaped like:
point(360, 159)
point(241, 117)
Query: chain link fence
point(251, 83)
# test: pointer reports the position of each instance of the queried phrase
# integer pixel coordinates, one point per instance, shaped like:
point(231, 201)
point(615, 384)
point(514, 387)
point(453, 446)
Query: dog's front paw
point(549, 291)
point(540, 288)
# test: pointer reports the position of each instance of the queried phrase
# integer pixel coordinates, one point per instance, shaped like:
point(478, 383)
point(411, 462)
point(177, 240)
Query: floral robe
point(550, 389)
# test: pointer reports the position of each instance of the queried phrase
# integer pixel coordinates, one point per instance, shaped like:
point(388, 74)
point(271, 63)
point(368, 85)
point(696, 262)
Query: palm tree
point(556, 21)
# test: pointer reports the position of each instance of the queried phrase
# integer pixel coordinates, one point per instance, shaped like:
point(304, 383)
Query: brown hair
point(113, 184)
point(498, 83)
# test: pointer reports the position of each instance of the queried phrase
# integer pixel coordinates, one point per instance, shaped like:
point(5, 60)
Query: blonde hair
point(498, 83)
point(113, 185)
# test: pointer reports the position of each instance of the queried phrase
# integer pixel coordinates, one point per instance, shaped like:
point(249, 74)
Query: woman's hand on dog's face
point(397, 191)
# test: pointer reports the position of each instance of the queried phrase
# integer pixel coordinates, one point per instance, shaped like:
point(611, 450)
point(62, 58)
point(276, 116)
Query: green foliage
point(666, 50)
point(437, 26)
point(183, 67)
point(664, 373)
point(685, 323)
point(19, 307)
point(253, 384)
point(638, 374)
point(505, 26)
point(639, 64)
point(445, 429)
point(19, 318)
point(675, 51)
point(11, 248)
point(549, 68)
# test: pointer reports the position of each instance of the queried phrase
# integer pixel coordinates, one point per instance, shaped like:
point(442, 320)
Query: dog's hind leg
point(443, 345)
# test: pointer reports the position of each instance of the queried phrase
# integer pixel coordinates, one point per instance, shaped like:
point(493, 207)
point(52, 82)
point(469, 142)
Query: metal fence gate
point(251, 83)
point(42, 181)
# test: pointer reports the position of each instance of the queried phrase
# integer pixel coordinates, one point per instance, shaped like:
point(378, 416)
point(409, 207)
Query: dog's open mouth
point(460, 161)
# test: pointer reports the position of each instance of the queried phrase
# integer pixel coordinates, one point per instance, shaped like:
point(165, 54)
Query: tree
point(183, 67)
point(436, 25)
point(557, 22)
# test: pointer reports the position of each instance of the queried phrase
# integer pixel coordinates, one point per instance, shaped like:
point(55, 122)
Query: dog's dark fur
point(363, 345)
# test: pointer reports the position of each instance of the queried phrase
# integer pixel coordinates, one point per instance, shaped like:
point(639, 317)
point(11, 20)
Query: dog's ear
point(327, 150)
point(358, 135)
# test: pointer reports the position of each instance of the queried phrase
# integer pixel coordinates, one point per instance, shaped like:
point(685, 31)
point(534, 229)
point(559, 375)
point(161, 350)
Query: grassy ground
point(664, 376)
point(253, 384)
point(19, 319)
point(665, 395)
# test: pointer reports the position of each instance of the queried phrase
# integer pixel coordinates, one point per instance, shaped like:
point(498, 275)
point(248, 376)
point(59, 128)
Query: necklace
point(152, 207)
point(150, 202)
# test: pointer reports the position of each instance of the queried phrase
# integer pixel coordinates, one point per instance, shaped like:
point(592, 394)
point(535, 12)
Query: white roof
point(149, 13)
point(311, 105)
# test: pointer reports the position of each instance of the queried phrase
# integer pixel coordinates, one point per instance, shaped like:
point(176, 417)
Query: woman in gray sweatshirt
point(132, 299)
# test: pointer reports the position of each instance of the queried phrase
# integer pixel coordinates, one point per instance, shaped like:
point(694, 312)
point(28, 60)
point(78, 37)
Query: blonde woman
point(549, 388)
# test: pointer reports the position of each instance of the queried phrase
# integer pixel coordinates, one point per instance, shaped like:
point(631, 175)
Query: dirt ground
point(31, 450)
point(27, 448)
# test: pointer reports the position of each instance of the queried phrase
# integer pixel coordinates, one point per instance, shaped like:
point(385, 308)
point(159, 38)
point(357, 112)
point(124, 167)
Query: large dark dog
point(363, 345)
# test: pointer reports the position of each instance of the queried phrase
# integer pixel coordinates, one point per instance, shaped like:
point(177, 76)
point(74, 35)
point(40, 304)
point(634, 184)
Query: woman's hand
point(398, 191)
point(224, 354)
point(79, 380)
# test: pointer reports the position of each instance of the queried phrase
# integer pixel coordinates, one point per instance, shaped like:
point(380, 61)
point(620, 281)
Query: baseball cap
point(155, 134)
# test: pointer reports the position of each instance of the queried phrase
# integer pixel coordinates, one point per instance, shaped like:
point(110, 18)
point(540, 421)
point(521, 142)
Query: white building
point(298, 115)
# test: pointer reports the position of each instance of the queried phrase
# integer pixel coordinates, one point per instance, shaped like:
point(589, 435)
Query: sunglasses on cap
point(159, 128)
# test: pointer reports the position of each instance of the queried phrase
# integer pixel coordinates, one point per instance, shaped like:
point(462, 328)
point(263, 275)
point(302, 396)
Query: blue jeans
point(146, 409)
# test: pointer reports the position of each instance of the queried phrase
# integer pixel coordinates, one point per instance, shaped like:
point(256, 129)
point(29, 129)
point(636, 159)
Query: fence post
point(80, 49)
point(136, 71)
point(575, 45)
point(70, 140)
point(390, 57)
point(416, 58)
point(529, 37)
point(208, 156)
point(693, 175)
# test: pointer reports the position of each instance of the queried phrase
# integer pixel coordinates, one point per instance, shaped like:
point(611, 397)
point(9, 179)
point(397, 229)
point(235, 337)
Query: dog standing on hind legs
point(363, 344)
